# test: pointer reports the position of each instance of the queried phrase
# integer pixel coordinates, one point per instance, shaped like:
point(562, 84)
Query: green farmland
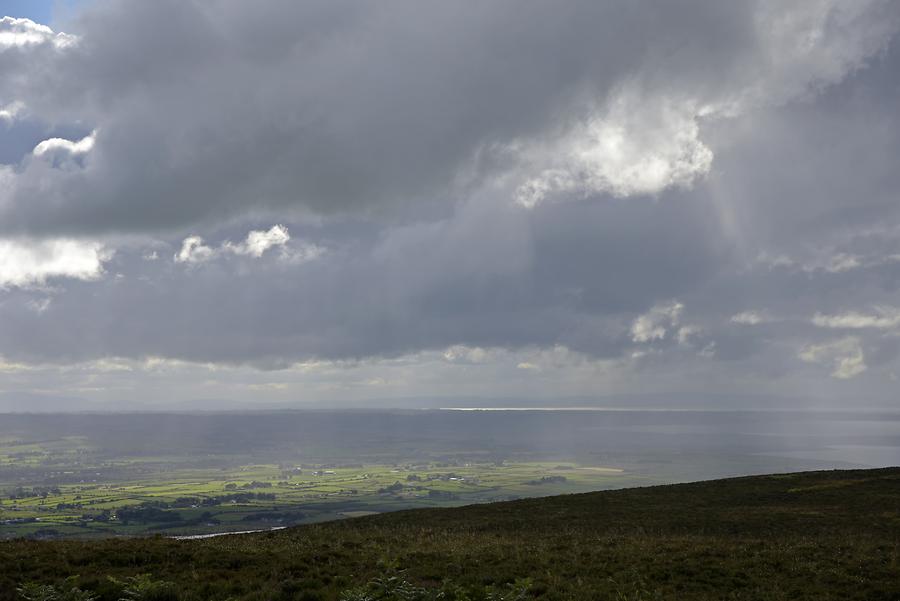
point(72, 494)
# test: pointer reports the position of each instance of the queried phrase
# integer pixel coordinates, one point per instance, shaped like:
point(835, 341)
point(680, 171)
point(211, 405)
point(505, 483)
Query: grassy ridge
point(816, 535)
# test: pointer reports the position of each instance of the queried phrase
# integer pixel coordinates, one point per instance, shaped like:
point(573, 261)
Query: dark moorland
point(815, 535)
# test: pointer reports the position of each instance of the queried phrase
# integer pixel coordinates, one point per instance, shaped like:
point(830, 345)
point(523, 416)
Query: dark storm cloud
point(474, 279)
point(208, 110)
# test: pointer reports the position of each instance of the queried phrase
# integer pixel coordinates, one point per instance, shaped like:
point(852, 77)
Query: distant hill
point(814, 535)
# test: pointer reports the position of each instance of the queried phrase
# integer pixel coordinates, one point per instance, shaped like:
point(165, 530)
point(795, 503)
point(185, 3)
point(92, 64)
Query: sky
point(322, 203)
point(45, 12)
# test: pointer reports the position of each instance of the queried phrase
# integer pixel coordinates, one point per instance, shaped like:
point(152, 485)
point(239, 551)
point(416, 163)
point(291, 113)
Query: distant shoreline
point(215, 534)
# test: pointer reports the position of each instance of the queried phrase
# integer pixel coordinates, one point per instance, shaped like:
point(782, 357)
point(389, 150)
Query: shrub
point(48, 592)
point(143, 588)
point(395, 587)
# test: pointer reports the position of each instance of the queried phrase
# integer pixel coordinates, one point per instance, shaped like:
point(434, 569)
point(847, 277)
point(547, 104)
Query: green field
point(831, 535)
point(66, 488)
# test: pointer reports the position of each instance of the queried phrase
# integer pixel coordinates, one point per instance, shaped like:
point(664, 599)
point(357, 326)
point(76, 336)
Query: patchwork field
point(61, 488)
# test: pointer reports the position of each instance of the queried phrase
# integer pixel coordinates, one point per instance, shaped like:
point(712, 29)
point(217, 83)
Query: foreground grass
point(816, 535)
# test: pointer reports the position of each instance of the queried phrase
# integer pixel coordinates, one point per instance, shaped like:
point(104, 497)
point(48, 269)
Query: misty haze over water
point(664, 446)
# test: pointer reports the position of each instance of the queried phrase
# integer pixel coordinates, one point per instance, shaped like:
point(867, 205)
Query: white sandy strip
point(199, 536)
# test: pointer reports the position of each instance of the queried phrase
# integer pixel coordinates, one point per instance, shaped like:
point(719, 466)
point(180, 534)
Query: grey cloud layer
point(732, 159)
point(493, 275)
point(205, 109)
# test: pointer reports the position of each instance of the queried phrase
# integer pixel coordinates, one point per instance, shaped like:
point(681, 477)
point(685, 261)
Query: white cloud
point(62, 145)
point(842, 262)
point(884, 318)
point(686, 334)
point(11, 368)
point(108, 365)
point(654, 324)
point(193, 250)
point(466, 354)
point(844, 356)
point(258, 241)
point(708, 351)
point(39, 306)
point(750, 318)
point(641, 151)
point(25, 32)
point(528, 366)
point(26, 263)
point(12, 110)
point(300, 253)
point(633, 147)
point(60, 151)
point(827, 261)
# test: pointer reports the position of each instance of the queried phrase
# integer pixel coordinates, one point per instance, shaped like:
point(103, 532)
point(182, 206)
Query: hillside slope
point(816, 535)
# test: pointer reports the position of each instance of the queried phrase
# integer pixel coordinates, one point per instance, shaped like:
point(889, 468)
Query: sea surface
point(666, 445)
